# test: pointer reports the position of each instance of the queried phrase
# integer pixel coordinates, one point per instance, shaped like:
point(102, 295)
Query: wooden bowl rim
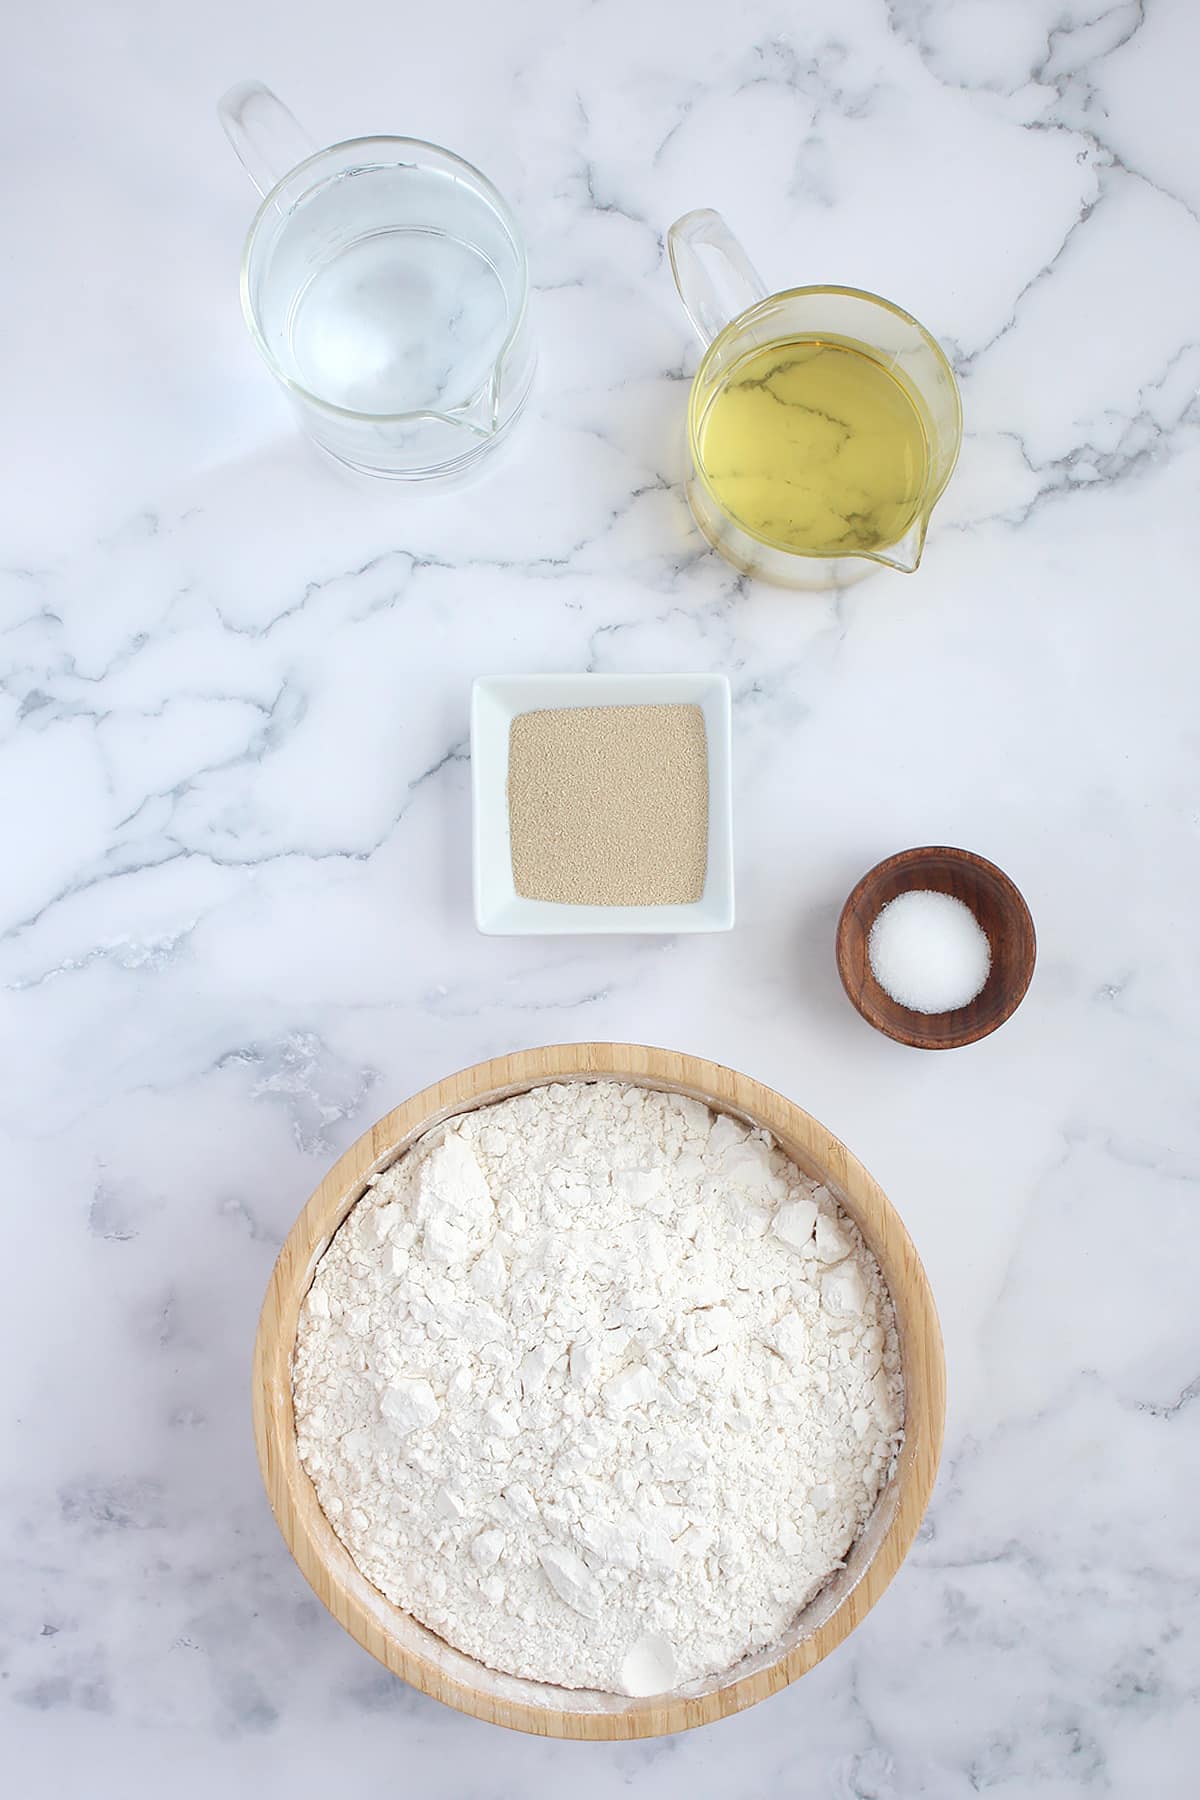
point(375, 1623)
point(1021, 921)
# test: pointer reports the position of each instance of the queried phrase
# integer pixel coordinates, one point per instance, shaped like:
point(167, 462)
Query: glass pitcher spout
point(480, 414)
point(906, 554)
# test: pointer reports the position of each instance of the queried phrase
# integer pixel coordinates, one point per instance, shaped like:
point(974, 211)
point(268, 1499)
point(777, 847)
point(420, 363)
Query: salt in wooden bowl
point(1001, 913)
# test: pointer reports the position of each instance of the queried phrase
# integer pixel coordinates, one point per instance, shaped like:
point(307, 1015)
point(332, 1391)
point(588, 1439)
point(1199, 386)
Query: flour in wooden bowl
point(598, 1386)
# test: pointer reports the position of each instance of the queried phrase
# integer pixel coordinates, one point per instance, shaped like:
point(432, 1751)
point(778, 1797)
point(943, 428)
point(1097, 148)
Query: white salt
point(929, 952)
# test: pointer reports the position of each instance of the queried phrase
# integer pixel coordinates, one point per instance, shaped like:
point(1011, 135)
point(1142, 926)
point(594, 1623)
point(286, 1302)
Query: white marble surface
point(236, 911)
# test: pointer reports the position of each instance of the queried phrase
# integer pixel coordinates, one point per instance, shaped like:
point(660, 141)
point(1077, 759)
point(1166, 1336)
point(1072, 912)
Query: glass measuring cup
point(384, 282)
point(751, 336)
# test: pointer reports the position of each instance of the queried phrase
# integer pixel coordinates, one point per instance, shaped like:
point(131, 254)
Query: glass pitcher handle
point(268, 141)
point(715, 277)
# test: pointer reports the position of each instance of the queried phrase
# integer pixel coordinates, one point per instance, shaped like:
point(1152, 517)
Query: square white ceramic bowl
point(495, 702)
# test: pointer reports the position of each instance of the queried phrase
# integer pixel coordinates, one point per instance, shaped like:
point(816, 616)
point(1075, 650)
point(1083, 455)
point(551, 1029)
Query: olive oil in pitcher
point(816, 444)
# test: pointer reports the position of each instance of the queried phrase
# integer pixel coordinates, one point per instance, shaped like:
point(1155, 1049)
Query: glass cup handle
point(268, 141)
point(715, 277)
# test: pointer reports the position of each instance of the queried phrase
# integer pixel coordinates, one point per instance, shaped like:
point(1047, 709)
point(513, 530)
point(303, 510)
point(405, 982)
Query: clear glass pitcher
point(823, 423)
point(384, 282)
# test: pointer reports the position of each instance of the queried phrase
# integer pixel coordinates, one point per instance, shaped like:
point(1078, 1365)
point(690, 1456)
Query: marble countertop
point(236, 918)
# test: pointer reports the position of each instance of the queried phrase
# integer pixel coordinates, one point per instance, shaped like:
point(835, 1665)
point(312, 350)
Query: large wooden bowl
point(411, 1650)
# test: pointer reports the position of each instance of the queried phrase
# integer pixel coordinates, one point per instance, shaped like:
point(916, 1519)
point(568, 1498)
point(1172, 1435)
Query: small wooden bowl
point(426, 1661)
point(1002, 913)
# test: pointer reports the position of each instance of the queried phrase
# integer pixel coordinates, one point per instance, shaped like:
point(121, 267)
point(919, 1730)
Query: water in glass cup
point(385, 283)
point(380, 316)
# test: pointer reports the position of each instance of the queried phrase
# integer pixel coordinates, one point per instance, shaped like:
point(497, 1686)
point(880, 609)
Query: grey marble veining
point(235, 914)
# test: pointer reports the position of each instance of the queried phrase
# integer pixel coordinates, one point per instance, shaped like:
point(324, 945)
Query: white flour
point(598, 1386)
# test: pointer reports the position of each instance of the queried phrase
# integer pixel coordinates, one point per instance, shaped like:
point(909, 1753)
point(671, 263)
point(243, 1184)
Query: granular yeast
point(608, 805)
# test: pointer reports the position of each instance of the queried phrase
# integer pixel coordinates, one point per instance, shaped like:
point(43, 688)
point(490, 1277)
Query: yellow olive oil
point(815, 444)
